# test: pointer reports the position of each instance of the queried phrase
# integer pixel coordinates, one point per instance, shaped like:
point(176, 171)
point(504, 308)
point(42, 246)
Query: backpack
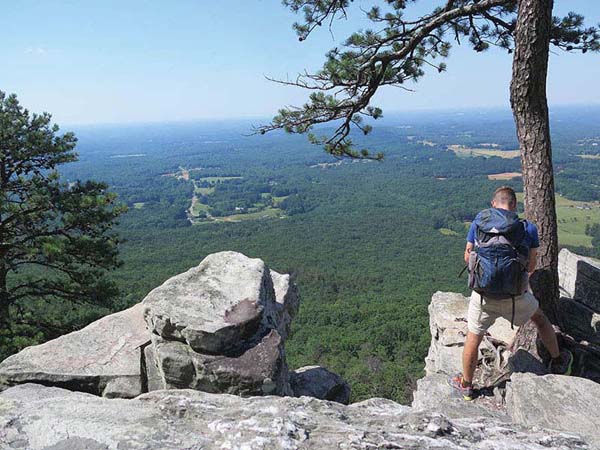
point(498, 262)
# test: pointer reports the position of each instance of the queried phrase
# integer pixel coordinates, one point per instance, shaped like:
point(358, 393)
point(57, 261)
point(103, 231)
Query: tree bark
point(530, 109)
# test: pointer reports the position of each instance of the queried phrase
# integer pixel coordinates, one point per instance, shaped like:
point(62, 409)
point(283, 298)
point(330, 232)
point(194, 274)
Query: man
point(519, 307)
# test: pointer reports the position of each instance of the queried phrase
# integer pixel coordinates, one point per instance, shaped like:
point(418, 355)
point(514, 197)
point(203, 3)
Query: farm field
point(464, 152)
point(504, 176)
point(573, 218)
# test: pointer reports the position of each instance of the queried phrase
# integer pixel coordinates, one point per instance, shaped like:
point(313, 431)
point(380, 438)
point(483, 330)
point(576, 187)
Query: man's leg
point(469, 359)
point(561, 362)
point(546, 333)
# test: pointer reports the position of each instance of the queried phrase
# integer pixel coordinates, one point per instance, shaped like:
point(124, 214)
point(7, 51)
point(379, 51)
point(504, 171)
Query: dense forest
point(368, 241)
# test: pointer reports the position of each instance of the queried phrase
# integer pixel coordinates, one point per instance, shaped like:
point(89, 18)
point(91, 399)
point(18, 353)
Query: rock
point(318, 382)
point(37, 417)
point(259, 370)
point(433, 393)
point(579, 321)
point(579, 278)
point(448, 327)
point(288, 301)
point(557, 402)
point(103, 358)
point(215, 306)
point(216, 327)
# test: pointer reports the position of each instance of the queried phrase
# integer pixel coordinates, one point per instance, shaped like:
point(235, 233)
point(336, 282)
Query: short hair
point(505, 195)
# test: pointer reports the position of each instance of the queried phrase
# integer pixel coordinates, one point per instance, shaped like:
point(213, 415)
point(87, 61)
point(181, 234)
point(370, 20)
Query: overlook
point(307, 224)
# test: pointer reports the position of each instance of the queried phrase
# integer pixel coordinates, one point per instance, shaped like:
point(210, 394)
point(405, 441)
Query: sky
point(115, 61)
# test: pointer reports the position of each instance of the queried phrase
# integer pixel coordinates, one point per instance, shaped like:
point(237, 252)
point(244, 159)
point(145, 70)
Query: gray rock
point(288, 301)
point(579, 321)
point(215, 306)
point(103, 358)
point(448, 327)
point(579, 278)
point(318, 382)
point(556, 402)
point(435, 394)
point(259, 370)
point(37, 417)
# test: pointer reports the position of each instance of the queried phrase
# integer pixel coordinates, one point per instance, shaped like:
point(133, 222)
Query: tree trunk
point(530, 110)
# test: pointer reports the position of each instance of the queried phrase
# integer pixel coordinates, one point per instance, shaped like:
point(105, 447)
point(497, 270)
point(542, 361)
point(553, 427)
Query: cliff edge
point(161, 375)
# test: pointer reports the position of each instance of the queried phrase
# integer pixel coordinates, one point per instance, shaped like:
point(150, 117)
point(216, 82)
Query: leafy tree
point(402, 49)
point(56, 242)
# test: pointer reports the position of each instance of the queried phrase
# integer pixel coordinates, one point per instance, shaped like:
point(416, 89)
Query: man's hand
point(468, 249)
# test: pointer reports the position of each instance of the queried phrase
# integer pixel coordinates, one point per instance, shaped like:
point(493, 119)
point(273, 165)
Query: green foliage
point(396, 51)
point(57, 239)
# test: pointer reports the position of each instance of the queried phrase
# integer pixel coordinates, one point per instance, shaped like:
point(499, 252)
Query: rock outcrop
point(557, 402)
point(104, 358)
point(219, 327)
point(318, 382)
point(513, 381)
point(35, 417)
point(215, 328)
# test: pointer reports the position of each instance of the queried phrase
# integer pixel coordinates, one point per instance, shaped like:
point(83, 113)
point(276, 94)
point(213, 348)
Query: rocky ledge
point(36, 417)
point(220, 327)
point(159, 376)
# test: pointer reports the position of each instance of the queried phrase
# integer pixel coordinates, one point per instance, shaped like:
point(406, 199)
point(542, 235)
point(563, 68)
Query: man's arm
point(468, 249)
point(532, 260)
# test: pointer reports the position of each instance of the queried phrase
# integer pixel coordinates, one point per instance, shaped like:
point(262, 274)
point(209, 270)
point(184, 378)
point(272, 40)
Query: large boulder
point(36, 417)
point(448, 327)
point(258, 370)
point(215, 306)
point(318, 382)
point(103, 358)
point(220, 327)
point(557, 402)
point(579, 278)
point(579, 320)
point(433, 393)
point(287, 302)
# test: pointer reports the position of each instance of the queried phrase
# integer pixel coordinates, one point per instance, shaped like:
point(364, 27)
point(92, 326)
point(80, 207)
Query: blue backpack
point(498, 262)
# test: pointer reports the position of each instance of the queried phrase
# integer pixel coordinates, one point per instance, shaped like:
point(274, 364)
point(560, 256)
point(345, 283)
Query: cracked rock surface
point(37, 417)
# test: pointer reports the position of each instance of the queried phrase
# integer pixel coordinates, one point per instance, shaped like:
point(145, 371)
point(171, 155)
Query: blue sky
point(115, 61)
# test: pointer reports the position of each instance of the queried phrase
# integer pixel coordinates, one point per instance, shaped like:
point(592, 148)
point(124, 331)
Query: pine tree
point(56, 238)
point(401, 51)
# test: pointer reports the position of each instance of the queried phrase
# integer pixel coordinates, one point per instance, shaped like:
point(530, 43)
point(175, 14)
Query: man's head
point(505, 198)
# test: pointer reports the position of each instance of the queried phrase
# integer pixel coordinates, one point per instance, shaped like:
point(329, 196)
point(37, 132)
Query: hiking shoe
point(563, 364)
point(466, 391)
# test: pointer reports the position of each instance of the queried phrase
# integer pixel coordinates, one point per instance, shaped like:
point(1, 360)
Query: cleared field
point(589, 156)
point(573, 217)
point(268, 213)
point(504, 176)
point(198, 208)
point(448, 232)
point(218, 179)
point(465, 152)
point(204, 190)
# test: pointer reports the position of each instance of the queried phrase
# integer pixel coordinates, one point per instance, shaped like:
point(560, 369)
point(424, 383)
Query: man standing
point(501, 252)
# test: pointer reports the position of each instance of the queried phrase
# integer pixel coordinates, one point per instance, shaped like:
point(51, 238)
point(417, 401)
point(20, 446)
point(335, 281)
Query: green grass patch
point(573, 218)
point(218, 179)
point(204, 190)
point(268, 213)
point(448, 232)
point(464, 152)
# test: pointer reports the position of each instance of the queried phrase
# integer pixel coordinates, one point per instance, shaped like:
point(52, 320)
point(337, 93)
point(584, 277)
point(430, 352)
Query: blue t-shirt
point(531, 240)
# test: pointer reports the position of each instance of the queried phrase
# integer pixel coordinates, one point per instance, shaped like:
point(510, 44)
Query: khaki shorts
point(483, 313)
